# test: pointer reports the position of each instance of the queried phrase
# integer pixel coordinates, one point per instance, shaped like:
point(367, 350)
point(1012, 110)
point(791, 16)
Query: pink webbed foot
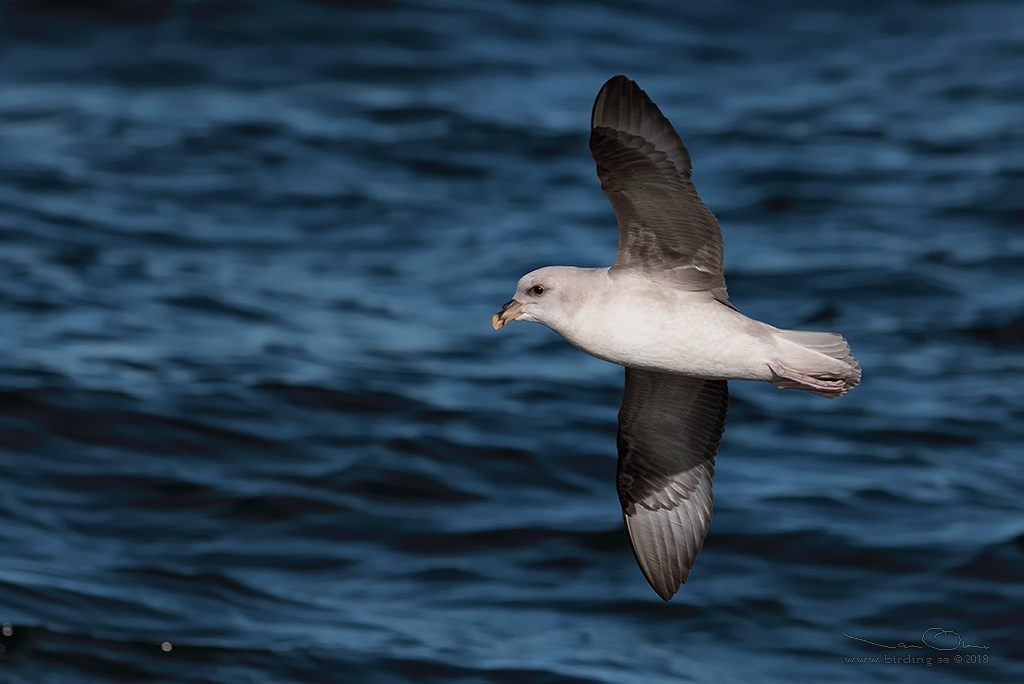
point(787, 378)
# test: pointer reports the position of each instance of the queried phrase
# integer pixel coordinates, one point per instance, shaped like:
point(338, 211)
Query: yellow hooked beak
point(509, 312)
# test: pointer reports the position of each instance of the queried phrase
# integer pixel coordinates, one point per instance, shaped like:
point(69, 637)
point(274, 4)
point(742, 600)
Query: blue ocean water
point(255, 425)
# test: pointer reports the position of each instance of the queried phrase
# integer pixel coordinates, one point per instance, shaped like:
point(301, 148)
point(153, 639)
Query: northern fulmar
point(662, 311)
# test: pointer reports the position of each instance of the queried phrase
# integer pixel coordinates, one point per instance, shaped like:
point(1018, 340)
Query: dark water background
point(251, 404)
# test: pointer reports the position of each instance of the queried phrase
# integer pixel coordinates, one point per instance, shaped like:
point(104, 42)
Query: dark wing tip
point(613, 90)
point(618, 98)
point(624, 107)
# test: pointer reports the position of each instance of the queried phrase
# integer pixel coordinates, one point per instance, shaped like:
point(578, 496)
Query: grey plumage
point(669, 430)
point(665, 231)
point(670, 426)
point(662, 311)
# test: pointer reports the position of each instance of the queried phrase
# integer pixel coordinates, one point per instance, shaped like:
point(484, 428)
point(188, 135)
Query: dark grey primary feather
point(670, 427)
point(665, 230)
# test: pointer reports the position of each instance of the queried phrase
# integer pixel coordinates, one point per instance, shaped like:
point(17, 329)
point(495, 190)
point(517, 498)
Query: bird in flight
point(662, 311)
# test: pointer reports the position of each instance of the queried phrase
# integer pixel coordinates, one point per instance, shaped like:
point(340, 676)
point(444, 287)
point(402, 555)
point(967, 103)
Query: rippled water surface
point(254, 423)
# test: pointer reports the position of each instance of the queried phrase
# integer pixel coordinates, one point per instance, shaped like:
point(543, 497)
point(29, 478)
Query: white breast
point(652, 326)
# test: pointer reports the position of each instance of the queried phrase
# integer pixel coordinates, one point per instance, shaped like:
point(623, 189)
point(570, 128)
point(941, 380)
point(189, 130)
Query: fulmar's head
point(549, 296)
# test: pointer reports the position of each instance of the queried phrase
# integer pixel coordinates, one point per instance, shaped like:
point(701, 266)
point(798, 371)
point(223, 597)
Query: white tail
point(818, 362)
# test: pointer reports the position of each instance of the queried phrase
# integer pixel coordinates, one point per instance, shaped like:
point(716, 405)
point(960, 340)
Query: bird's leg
point(787, 378)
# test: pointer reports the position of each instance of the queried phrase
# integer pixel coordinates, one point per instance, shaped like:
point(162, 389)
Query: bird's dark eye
point(537, 290)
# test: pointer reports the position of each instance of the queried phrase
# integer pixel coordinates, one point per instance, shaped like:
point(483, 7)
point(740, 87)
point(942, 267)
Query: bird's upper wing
point(669, 430)
point(665, 230)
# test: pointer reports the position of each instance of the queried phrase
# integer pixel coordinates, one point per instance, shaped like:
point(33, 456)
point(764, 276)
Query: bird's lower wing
point(670, 427)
